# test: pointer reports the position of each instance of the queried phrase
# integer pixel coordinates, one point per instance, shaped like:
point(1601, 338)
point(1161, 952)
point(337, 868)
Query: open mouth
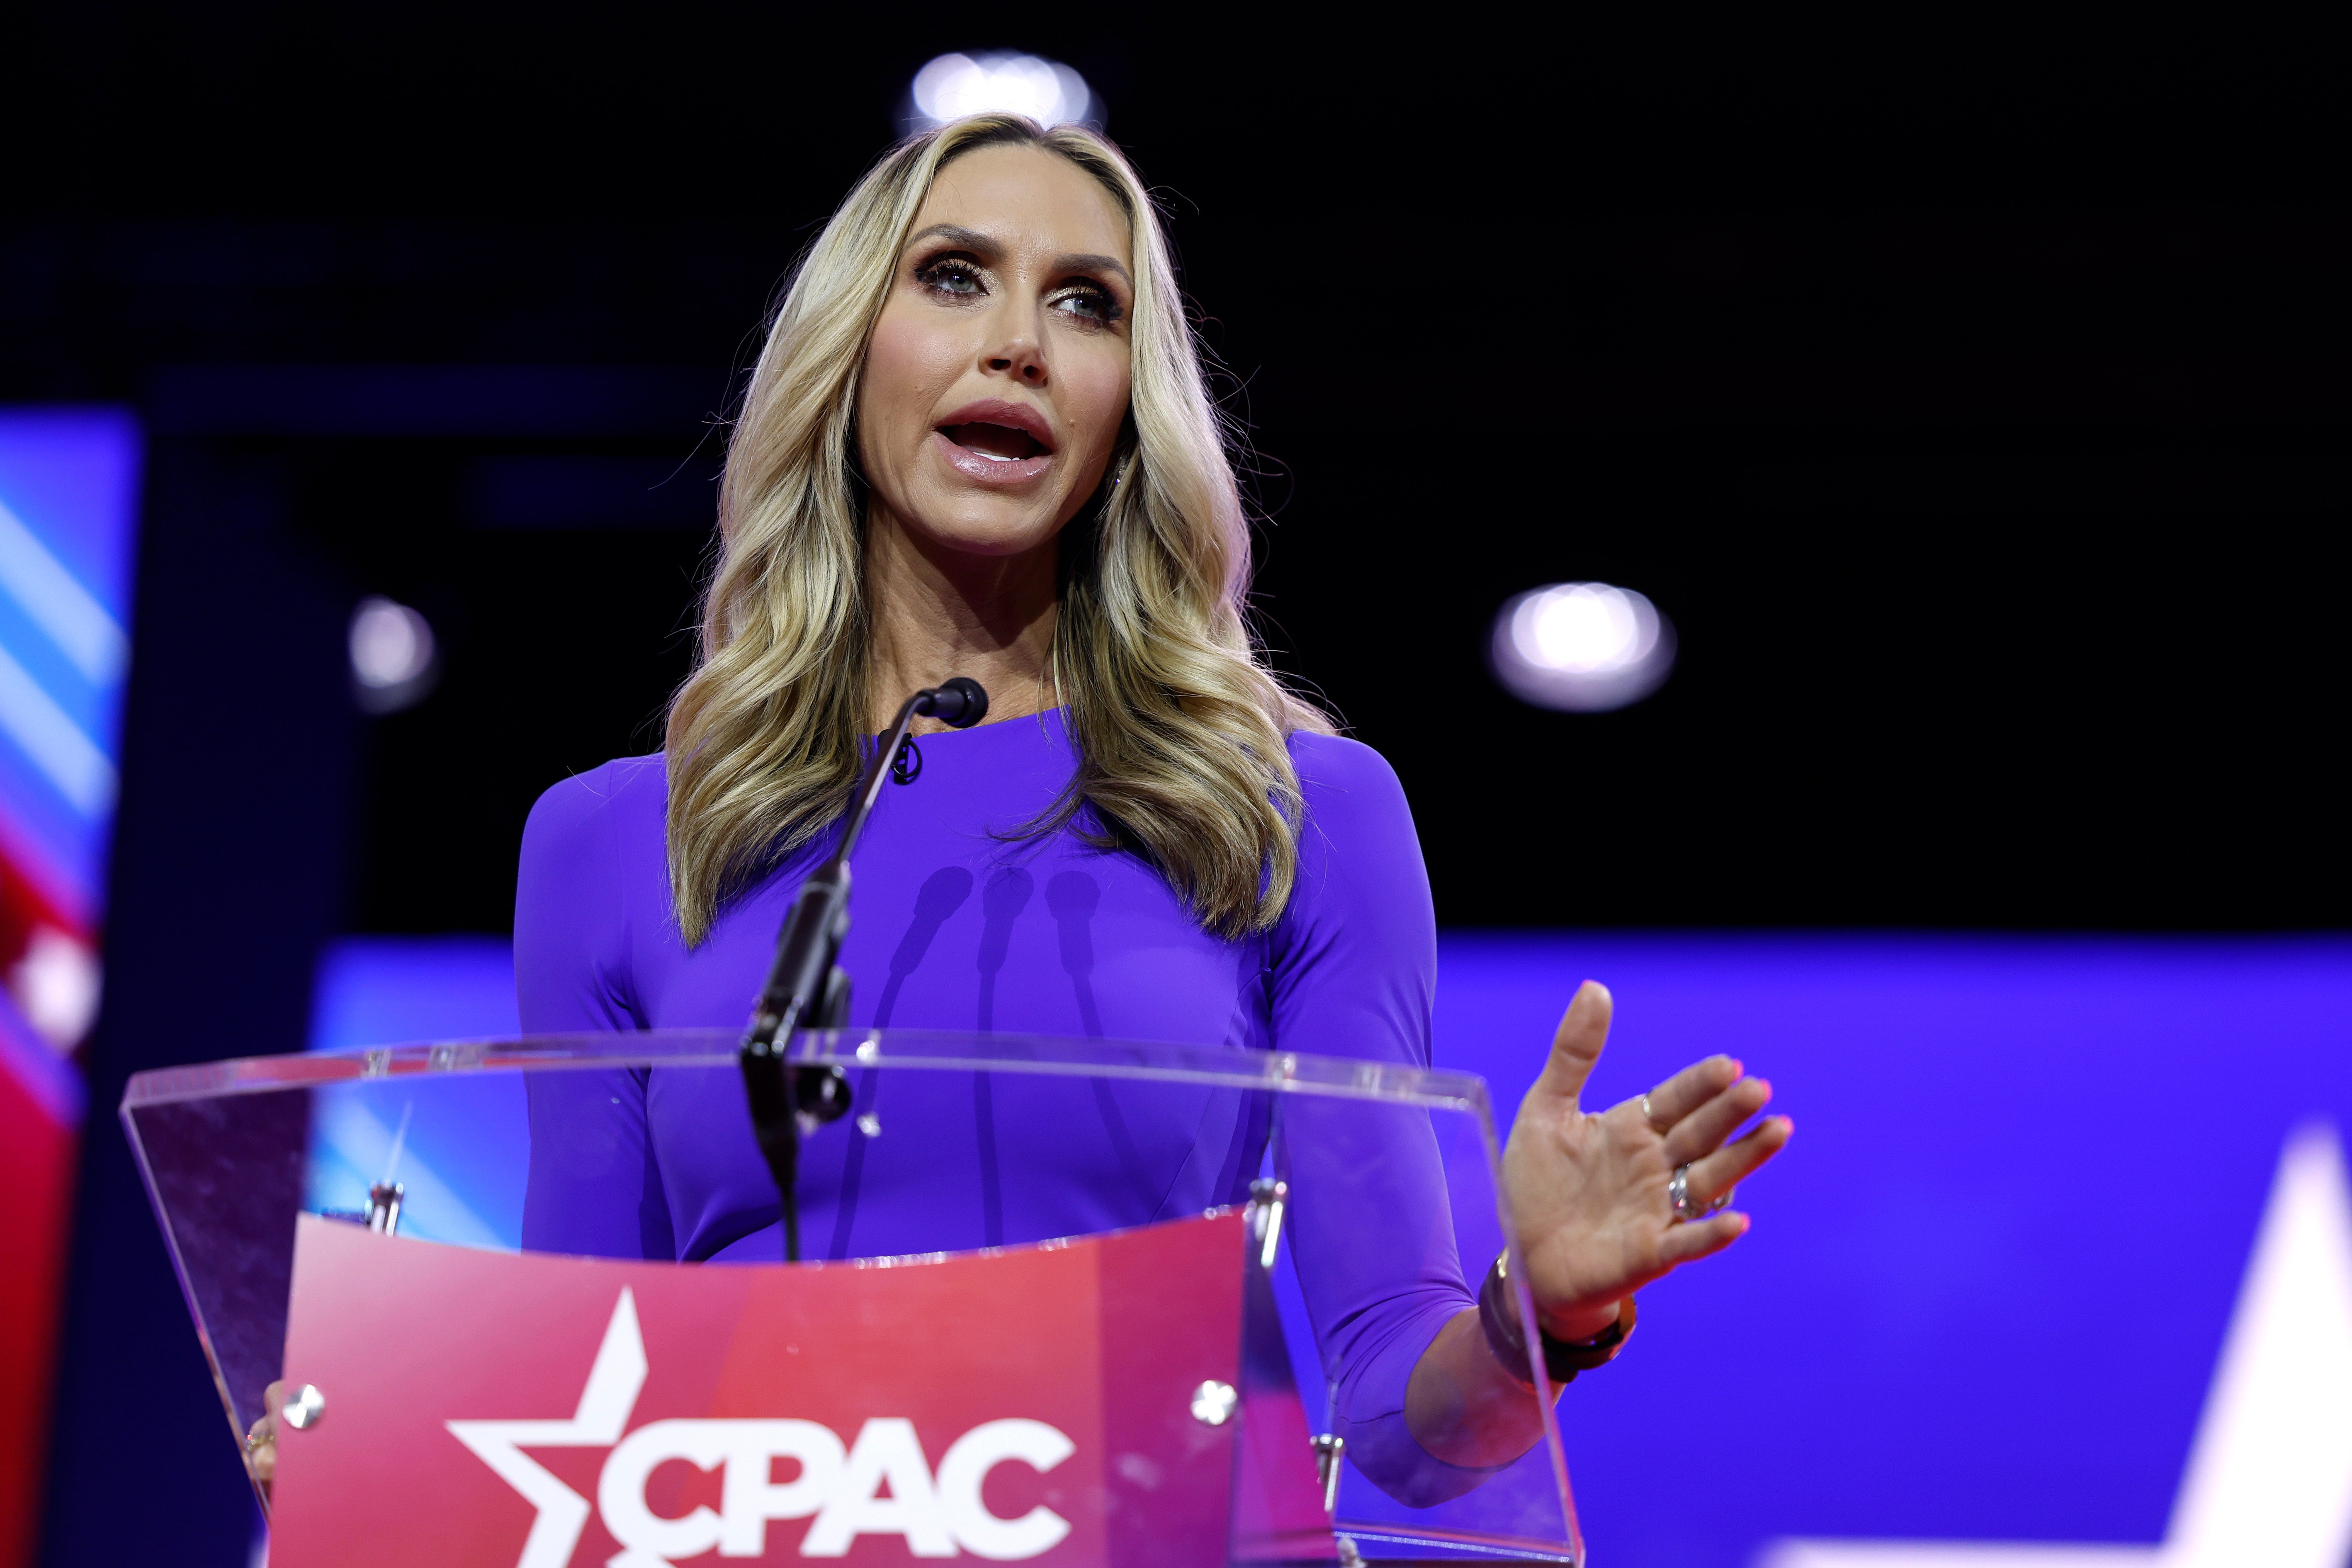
point(997, 443)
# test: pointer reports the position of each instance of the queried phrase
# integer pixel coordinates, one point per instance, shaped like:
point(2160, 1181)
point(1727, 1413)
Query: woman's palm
point(1590, 1193)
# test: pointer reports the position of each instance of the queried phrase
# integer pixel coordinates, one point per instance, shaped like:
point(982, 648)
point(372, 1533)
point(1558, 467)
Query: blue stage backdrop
point(1989, 1289)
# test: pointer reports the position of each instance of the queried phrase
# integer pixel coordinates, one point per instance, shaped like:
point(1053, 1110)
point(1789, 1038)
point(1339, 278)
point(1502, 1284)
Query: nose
point(1020, 354)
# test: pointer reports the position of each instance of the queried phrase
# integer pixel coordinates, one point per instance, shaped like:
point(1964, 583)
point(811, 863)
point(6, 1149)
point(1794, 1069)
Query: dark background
point(1972, 402)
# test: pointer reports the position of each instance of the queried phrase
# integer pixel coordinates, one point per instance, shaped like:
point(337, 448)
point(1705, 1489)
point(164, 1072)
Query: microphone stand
point(806, 988)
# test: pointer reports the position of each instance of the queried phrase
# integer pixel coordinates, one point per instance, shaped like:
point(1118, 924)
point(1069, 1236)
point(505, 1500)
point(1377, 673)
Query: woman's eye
point(1092, 304)
point(949, 278)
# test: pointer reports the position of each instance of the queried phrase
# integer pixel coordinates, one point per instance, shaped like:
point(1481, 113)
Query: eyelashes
point(951, 276)
point(954, 279)
point(1098, 302)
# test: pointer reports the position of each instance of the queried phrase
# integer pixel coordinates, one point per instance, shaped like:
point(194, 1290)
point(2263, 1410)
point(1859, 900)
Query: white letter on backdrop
point(964, 1468)
point(885, 1449)
point(753, 1496)
point(621, 1489)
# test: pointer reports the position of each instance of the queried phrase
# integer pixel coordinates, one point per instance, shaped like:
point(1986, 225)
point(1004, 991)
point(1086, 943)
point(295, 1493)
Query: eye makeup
point(952, 274)
point(955, 276)
point(1098, 306)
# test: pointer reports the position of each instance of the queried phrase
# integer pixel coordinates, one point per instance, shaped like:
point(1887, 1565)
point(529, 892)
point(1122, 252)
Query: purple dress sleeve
point(595, 1187)
point(1353, 973)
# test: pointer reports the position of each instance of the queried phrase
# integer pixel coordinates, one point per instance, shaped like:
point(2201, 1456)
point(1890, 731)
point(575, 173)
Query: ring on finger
point(1688, 1209)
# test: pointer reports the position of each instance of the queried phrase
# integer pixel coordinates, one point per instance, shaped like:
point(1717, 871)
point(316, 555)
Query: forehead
point(1028, 199)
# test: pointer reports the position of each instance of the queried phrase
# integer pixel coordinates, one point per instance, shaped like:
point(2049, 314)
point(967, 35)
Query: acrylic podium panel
point(1144, 1205)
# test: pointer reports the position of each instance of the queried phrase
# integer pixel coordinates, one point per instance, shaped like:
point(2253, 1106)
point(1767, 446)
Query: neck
point(940, 613)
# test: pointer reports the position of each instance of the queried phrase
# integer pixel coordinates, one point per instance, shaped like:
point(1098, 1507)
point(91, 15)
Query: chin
point(988, 528)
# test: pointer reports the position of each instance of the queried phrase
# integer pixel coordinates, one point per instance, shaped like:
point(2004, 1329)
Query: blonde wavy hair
point(1179, 725)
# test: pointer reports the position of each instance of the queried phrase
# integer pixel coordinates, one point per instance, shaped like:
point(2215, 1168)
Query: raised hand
point(1590, 1193)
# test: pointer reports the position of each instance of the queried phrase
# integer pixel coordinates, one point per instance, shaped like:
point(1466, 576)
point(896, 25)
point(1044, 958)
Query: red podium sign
point(1047, 1404)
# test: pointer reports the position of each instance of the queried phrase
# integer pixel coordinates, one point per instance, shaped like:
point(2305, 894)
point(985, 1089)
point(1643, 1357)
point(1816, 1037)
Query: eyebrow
point(972, 239)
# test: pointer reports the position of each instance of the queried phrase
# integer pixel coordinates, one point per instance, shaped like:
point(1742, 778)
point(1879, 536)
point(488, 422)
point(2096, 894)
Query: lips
point(996, 442)
point(1001, 442)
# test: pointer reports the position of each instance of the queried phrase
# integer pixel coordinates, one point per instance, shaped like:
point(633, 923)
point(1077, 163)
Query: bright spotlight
point(392, 663)
point(1047, 91)
point(1582, 647)
point(56, 986)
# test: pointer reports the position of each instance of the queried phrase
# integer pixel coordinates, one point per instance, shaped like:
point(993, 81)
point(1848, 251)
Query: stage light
point(1047, 91)
point(1581, 647)
point(392, 662)
point(56, 986)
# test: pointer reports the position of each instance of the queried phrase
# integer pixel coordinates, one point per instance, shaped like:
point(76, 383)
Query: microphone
point(806, 988)
point(958, 703)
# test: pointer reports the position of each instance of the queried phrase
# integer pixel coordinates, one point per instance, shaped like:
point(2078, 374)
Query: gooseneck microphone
point(806, 989)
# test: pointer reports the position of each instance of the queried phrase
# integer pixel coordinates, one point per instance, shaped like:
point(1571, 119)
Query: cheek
point(905, 366)
point(1096, 397)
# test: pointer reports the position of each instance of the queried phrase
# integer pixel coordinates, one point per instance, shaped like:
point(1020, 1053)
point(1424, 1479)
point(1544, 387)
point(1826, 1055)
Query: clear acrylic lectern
point(1065, 1301)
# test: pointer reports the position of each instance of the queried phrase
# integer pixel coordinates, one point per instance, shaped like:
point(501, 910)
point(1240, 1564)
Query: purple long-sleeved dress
point(956, 928)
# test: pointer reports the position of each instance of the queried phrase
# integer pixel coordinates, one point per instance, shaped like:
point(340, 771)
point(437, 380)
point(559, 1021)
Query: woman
point(978, 443)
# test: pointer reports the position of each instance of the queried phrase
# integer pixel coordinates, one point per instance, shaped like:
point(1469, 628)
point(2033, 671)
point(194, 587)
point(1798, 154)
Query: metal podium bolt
point(1327, 1451)
point(1214, 1402)
point(302, 1411)
point(385, 1199)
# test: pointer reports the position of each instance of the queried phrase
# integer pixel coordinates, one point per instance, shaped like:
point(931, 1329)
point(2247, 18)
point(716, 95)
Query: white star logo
point(604, 1406)
point(2269, 1476)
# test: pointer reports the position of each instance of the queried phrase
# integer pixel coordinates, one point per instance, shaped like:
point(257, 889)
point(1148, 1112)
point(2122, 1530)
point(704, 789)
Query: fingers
point(1688, 1090)
point(1702, 1131)
point(261, 1437)
point(1582, 1031)
point(1701, 1238)
point(1727, 1168)
point(262, 1450)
